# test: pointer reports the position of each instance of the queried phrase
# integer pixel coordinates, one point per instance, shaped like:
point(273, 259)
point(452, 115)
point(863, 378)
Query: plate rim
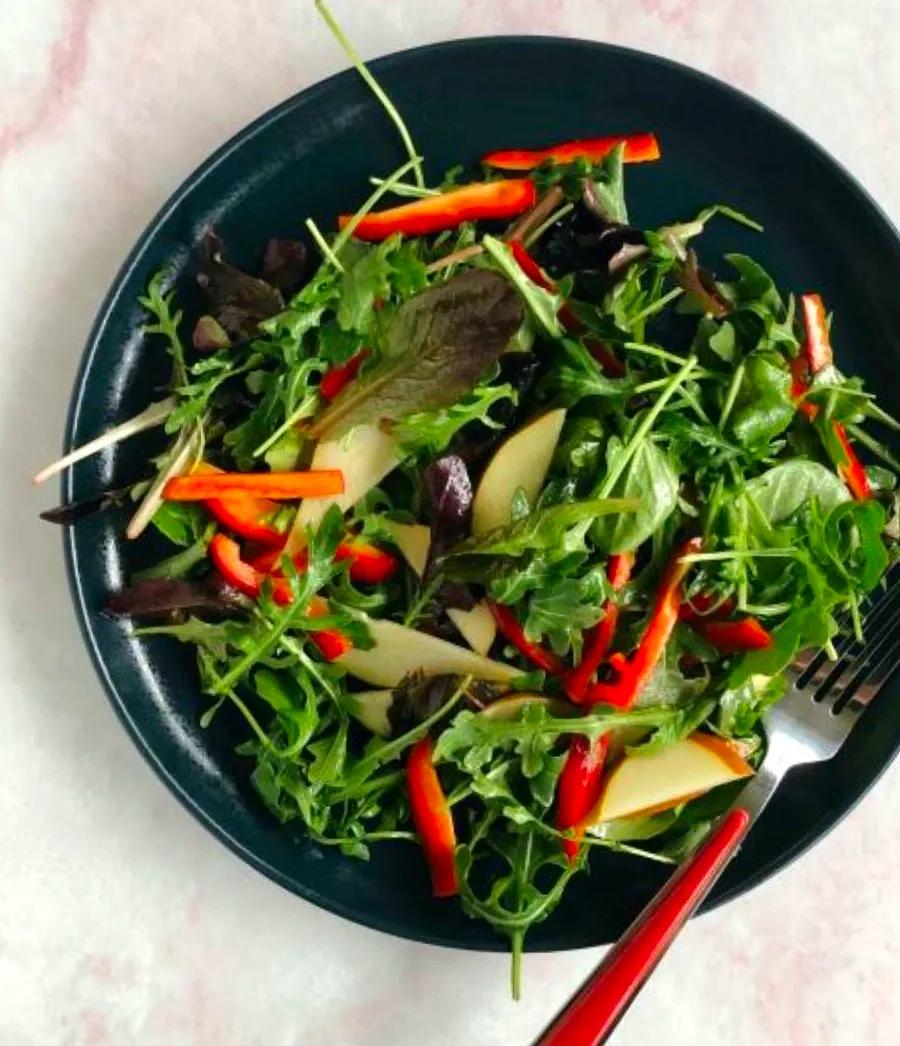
point(111, 302)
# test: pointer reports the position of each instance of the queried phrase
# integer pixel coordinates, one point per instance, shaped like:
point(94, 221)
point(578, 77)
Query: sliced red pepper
point(369, 564)
point(852, 470)
point(817, 353)
point(818, 339)
point(731, 637)
point(530, 267)
point(201, 486)
point(334, 380)
point(480, 200)
point(226, 555)
point(597, 643)
point(635, 671)
point(639, 148)
point(512, 632)
point(331, 643)
point(578, 787)
point(245, 516)
point(702, 605)
point(432, 817)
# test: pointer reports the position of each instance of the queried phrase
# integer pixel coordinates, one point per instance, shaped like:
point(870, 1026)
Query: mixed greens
point(500, 525)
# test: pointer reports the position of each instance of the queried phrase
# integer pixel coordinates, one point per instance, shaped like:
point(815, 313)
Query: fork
point(808, 725)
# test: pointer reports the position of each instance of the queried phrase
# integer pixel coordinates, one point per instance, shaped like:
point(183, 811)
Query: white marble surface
point(121, 920)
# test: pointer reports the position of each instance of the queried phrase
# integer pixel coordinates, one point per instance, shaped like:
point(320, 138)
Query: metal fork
point(808, 725)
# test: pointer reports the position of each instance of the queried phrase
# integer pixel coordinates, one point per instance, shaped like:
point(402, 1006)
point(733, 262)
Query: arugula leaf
point(544, 304)
point(648, 479)
point(741, 707)
point(558, 527)
point(438, 345)
point(764, 407)
point(430, 432)
point(780, 491)
point(604, 189)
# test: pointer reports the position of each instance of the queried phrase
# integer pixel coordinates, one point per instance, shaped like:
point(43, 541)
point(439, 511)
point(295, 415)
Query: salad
point(497, 516)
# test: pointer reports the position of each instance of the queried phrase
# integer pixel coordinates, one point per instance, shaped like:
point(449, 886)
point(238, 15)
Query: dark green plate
point(312, 156)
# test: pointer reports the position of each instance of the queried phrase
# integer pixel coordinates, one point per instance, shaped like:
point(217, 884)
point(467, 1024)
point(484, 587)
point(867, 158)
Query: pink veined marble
point(123, 921)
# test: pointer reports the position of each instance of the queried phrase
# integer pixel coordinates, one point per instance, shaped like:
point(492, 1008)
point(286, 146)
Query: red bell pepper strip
point(334, 380)
point(279, 486)
point(639, 148)
point(818, 340)
point(578, 787)
point(852, 470)
point(480, 200)
point(637, 669)
point(530, 267)
point(513, 633)
point(817, 353)
point(226, 555)
point(705, 613)
point(703, 606)
point(618, 571)
point(369, 565)
point(733, 636)
point(331, 643)
point(245, 516)
point(432, 817)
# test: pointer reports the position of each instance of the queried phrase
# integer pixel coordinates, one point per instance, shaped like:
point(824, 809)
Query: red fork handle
point(593, 1012)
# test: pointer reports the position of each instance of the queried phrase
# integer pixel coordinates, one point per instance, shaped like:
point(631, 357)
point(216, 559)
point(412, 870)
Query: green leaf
point(806, 627)
point(559, 527)
point(544, 304)
point(741, 707)
point(651, 481)
point(438, 346)
point(764, 407)
point(606, 187)
point(366, 279)
point(182, 522)
point(780, 491)
point(430, 432)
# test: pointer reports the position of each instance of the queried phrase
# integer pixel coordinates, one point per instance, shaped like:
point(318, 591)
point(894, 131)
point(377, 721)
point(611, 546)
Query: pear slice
point(647, 784)
point(413, 540)
point(399, 650)
point(477, 626)
point(364, 457)
point(521, 462)
point(370, 707)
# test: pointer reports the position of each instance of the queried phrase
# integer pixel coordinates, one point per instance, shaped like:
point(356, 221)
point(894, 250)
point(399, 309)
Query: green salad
point(497, 516)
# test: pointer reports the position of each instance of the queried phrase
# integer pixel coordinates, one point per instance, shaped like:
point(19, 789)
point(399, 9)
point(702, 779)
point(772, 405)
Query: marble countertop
point(121, 919)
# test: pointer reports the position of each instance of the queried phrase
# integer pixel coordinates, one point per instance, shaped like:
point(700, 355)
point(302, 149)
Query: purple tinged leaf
point(161, 597)
point(284, 264)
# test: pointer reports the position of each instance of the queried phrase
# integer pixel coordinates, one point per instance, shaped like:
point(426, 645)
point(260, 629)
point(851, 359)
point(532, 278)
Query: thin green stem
point(327, 251)
point(657, 306)
point(404, 189)
point(644, 428)
point(733, 389)
point(374, 87)
point(551, 221)
point(344, 235)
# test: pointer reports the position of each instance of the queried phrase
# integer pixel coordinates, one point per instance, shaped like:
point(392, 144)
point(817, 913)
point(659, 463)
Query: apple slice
point(365, 457)
point(370, 707)
point(399, 650)
point(477, 626)
point(521, 463)
point(413, 540)
point(647, 784)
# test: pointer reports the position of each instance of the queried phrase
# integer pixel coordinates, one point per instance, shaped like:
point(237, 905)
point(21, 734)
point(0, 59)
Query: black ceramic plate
point(312, 156)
